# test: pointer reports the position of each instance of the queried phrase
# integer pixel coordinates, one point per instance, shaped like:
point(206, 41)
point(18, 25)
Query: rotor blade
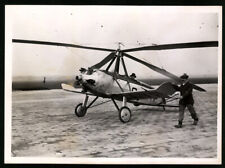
point(155, 68)
point(198, 88)
point(59, 44)
point(104, 61)
point(175, 46)
point(162, 71)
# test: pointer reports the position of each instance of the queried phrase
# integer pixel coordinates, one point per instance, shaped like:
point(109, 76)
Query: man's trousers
point(191, 110)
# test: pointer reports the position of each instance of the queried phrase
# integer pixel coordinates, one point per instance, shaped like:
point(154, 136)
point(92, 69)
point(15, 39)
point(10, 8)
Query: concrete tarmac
point(44, 124)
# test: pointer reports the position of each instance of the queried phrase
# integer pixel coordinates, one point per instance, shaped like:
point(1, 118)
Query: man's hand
point(180, 97)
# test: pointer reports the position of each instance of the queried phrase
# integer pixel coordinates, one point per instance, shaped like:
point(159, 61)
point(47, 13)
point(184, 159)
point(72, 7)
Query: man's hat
point(184, 76)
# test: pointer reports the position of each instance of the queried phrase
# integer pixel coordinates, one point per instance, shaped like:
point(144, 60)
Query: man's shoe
point(178, 126)
point(195, 122)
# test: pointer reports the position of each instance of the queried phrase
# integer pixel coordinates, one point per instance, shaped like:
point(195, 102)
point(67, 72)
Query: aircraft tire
point(80, 111)
point(124, 114)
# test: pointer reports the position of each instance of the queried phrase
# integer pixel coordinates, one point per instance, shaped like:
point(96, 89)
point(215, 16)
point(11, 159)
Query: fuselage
point(102, 84)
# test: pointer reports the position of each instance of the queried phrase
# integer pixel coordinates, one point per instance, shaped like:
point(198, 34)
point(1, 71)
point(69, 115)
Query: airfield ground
point(44, 124)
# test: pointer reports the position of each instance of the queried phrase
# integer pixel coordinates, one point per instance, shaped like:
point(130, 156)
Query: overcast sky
point(105, 26)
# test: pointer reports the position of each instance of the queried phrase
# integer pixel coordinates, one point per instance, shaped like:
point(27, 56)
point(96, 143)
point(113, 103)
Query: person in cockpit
point(133, 76)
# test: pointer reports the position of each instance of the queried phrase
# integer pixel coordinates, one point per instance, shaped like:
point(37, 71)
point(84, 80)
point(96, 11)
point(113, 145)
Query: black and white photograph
point(113, 84)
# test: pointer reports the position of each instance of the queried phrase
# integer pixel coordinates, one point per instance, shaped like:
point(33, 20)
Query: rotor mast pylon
point(118, 55)
point(119, 60)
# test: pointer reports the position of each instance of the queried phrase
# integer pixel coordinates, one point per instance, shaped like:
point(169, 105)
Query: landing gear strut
point(81, 109)
point(124, 111)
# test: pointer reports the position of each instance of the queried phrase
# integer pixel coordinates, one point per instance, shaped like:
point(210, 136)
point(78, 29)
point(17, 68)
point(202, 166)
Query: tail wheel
point(80, 110)
point(125, 114)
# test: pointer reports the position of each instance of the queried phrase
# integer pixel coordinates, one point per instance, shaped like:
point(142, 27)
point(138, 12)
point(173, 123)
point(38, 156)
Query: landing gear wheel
point(125, 114)
point(80, 111)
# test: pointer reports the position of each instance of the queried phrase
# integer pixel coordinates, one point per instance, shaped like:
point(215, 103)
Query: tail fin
point(166, 89)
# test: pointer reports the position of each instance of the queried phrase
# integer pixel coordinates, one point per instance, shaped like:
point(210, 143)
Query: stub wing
point(70, 88)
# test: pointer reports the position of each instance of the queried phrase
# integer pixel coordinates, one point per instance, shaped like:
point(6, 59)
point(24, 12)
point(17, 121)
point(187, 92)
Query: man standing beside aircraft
point(186, 100)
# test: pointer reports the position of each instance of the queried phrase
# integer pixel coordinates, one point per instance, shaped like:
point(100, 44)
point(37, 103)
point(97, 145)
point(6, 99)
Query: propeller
point(59, 44)
point(162, 71)
point(175, 46)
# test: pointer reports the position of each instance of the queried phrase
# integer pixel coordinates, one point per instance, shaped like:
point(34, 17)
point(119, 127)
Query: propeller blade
point(76, 84)
point(104, 61)
point(155, 68)
point(175, 46)
point(59, 44)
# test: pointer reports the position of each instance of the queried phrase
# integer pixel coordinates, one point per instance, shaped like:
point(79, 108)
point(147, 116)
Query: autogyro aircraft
point(98, 82)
